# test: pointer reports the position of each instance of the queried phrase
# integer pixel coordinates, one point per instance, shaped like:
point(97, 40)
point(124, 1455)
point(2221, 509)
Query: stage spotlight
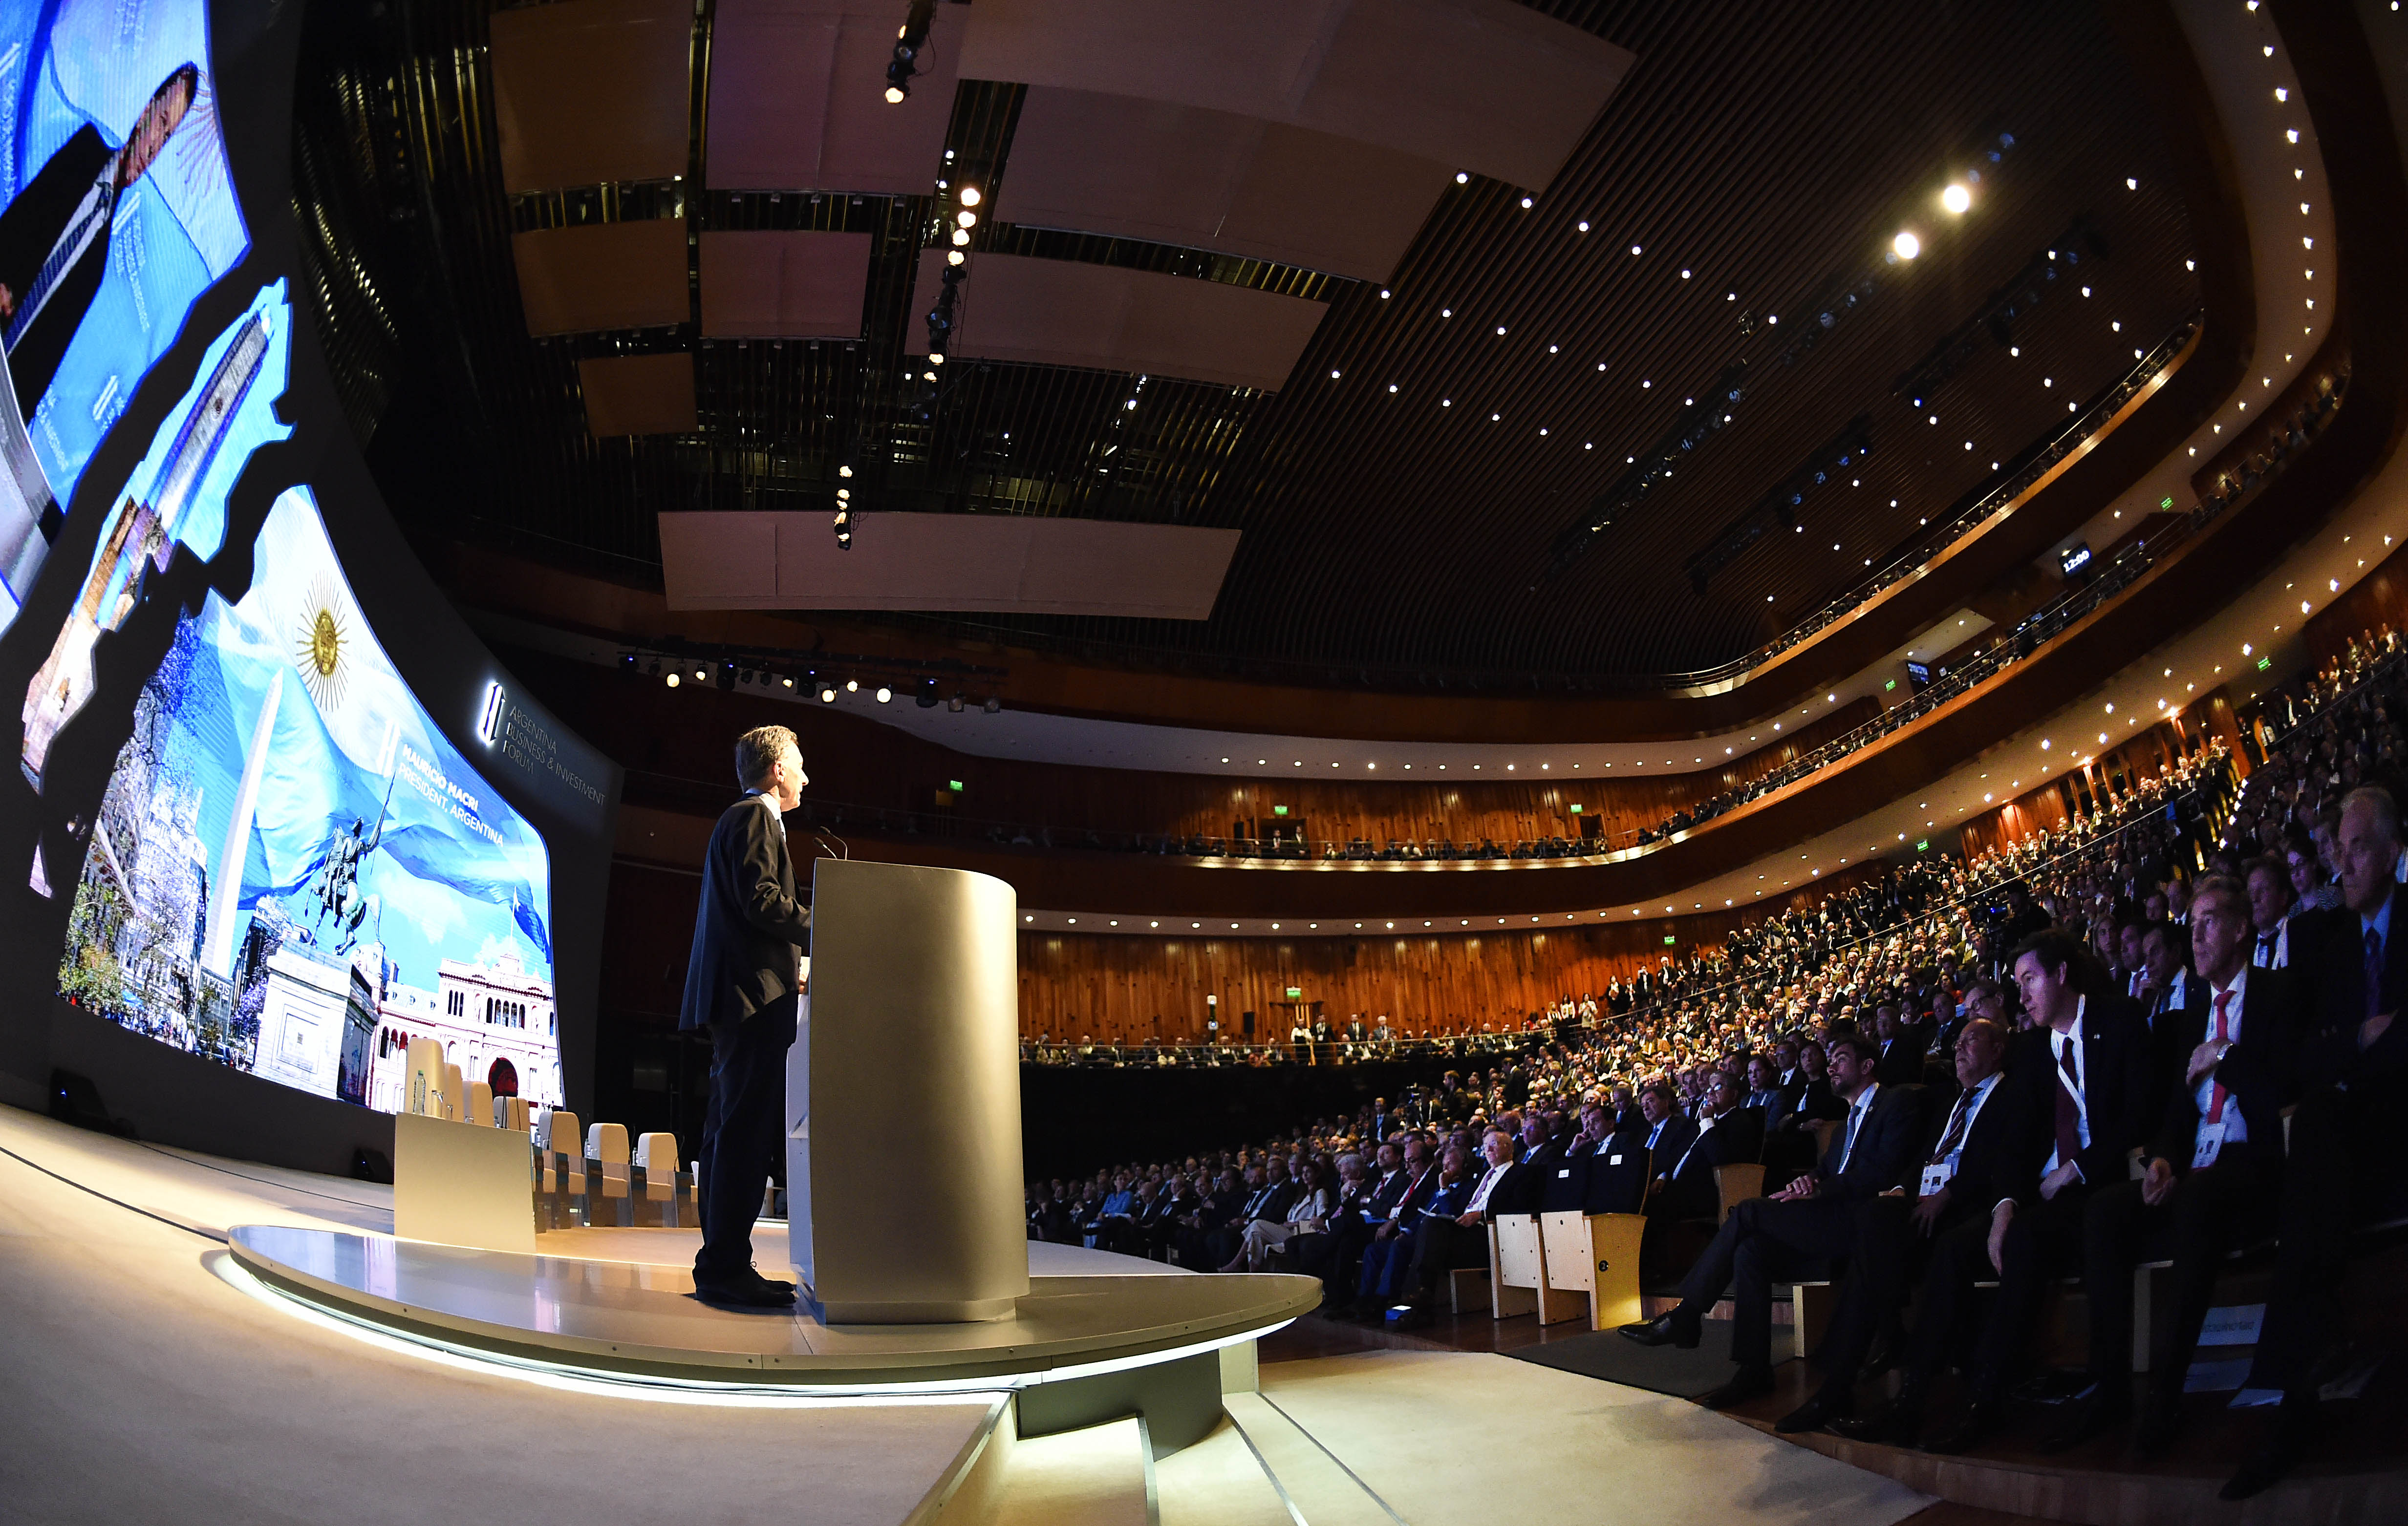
point(969, 195)
point(1907, 245)
point(844, 471)
point(656, 669)
point(1956, 198)
point(827, 696)
point(954, 705)
point(884, 694)
point(952, 257)
point(852, 686)
point(992, 706)
point(961, 237)
point(788, 682)
point(627, 660)
point(909, 39)
point(936, 358)
point(727, 677)
point(701, 677)
point(967, 220)
point(673, 680)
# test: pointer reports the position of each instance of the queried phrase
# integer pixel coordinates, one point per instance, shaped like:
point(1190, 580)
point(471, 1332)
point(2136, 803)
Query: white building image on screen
point(496, 1021)
point(316, 1024)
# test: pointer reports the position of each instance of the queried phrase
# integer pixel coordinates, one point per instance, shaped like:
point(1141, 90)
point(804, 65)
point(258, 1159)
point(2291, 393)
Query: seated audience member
point(1399, 1203)
point(1327, 1252)
point(1901, 1048)
point(1764, 1093)
point(1214, 1209)
point(1307, 1213)
point(1113, 1216)
point(1790, 1148)
point(1268, 1195)
point(2213, 1171)
point(1729, 1134)
point(1668, 1133)
point(1802, 1228)
point(2344, 1142)
point(2269, 911)
point(1159, 1224)
point(1627, 1115)
point(1980, 1155)
point(1452, 1231)
point(1597, 1127)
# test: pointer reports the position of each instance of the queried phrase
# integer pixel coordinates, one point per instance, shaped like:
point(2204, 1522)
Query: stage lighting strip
point(987, 1388)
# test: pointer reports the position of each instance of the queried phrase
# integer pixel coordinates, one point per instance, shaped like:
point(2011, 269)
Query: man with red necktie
point(2210, 1176)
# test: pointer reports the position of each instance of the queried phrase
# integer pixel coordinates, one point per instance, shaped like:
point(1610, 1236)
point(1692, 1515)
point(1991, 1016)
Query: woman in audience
point(1308, 1214)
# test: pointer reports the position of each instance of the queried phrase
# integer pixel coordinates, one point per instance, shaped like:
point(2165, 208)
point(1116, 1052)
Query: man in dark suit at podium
point(741, 985)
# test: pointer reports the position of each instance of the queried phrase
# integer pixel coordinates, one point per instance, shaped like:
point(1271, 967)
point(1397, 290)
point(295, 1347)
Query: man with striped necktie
point(54, 236)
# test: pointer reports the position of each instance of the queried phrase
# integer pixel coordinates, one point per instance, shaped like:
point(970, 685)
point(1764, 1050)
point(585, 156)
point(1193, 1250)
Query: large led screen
point(293, 872)
point(116, 211)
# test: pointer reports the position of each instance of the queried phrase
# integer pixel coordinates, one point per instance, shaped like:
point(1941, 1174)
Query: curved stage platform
point(608, 1313)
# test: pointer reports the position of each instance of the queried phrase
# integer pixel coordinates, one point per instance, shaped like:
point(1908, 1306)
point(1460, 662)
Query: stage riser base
point(1180, 1399)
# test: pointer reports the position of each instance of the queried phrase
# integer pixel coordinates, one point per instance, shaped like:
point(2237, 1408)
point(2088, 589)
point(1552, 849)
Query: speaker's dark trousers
point(742, 1131)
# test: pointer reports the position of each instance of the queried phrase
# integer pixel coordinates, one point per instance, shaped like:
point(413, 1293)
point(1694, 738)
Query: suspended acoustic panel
point(589, 91)
point(1060, 312)
point(798, 98)
point(995, 562)
point(783, 285)
point(602, 275)
point(1483, 85)
point(1212, 179)
point(637, 394)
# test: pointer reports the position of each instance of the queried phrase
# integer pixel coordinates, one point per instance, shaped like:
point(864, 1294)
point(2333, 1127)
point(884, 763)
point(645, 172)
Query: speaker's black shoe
point(1665, 1330)
point(748, 1293)
point(770, 1288)
point(1750, 1382)
point(2097, 1411)
point(1815, 1414)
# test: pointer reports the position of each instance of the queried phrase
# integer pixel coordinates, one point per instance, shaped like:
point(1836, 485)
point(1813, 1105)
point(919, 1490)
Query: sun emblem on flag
point(321, 638)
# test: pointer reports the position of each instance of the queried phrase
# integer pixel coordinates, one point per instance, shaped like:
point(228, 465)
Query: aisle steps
point(1317, 1488)
point(1098, 1477)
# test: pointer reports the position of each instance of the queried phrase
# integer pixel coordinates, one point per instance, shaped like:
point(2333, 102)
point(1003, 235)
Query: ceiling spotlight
point(1462, 178)
point(1907, 245)
point(827, 696)
point(672, 681)
point(967, 220)
point(969, 195)
point(852, 686)
point(952, 257)
point(844, 471)
point(1956, 198)
point(961, 237)
point(895, 94)
point(884, 694)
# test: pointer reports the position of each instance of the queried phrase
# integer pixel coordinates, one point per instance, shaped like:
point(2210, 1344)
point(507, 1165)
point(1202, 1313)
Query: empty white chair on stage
point(455, 1097)
point(422, 1078)
point(658, 1155)
point(480, 1108)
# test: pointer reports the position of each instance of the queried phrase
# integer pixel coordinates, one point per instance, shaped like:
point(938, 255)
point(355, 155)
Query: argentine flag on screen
point(456, 874)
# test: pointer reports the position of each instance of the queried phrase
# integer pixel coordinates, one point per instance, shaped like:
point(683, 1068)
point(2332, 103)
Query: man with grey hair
point(742, 986)
point(2354, 1070)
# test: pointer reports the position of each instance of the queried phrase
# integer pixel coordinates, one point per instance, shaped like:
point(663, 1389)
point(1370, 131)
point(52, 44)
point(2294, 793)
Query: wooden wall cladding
point(1129, 990)
point(686, 733)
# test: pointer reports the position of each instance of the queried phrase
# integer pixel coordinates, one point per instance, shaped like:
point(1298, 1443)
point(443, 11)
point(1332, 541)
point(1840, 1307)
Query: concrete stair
point(1316, 1488)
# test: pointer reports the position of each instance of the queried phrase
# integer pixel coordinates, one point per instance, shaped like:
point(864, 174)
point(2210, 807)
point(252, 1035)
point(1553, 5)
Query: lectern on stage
point(903, 1180)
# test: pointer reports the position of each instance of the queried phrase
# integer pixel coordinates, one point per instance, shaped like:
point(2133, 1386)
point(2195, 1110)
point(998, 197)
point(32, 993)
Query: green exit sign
point(2168, 504)
point(2265, 663)
point(1670, 938)
point(1279, 810)
point(955, 785)
point(1295, 991)
point(1923, 844)
point(1575, 810)
point(1892, 684)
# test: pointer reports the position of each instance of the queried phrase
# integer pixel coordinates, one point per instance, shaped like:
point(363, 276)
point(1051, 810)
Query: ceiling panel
point(637, 394)
point(798, 98)
point(1066, 312)
point(1482, 85)
point(1212, 179)
point(995, 562)
point(588, 91)
point(607, 276)
point(783, 285)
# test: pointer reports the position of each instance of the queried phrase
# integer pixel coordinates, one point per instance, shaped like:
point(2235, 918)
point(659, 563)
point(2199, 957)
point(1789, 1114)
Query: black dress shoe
point(1749, 1382)
point(2100, 1409)
point(2161, 1421)
point(770, 1288)
point(1815, 1414)
point(2286, 1447)
point(1971, 1428)
point(742, 1293)
point(1665, 1330)
point(1898, 1425)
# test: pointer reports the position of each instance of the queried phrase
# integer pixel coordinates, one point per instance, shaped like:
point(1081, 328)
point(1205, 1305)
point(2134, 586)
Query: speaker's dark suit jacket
point(750, 930)
point(2260, 1074)
point(30, 229)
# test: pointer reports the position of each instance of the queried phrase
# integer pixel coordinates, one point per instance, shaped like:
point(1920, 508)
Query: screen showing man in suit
point(295, 872)
point(116, 211)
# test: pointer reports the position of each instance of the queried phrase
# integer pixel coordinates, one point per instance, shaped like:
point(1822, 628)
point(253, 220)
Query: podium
point(903, 1163)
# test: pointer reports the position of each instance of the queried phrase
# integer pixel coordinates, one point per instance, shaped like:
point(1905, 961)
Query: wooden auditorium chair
point(606, 1168)
point(1589, 1240)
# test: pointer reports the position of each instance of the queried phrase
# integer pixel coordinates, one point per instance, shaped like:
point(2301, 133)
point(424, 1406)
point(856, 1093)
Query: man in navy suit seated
point(1798, 1231)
